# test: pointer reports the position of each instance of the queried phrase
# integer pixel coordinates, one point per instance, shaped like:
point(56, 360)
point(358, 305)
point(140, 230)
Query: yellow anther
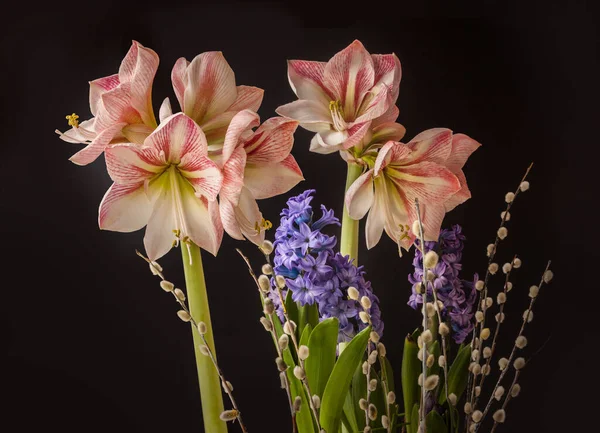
point(72, 120)
point(177, 233)
point(266, 224)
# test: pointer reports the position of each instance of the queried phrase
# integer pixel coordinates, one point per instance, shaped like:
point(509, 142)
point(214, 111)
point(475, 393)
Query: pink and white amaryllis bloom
point(256, 165)
point(168, 184)
point(121, 105)
point(428, 168)
point(339, 99)
point(206, 91)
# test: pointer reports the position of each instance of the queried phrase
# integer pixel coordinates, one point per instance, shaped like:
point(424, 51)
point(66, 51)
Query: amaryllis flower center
point(337, 114)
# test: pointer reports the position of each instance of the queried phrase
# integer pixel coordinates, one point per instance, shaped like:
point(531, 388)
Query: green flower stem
point(208, 377)
point(349, 239)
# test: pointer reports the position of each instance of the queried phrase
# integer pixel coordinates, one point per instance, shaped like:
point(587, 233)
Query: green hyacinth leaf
point(411, 369)
point(322, 345)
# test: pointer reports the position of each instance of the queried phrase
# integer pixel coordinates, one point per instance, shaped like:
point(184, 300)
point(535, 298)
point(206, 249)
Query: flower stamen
point(337, 115)
point(72, 120)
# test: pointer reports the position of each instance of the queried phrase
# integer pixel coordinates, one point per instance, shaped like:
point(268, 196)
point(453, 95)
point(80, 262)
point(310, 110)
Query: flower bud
point(431, 259)
point(416, 229)
point(519, 363)
point(280, 281)
point(203, 349)
point(289, 327)
point(500, 317)
point(477, 391)
point(505, 216)
point(548, 275)
point(515, 390)
point(479, 316)
point(431, 382)
point(502, 233)
point(477, 415)
point(509, 197)
point(491, 249)
point(524, 186)
point(167, 286)
point(281, 365)
point(419, 288)
point(499, 393)
point(475, 355)
point(267, 247)
point(502, 363)
point(202, 329)
point(155, 268)
point(372, 412)
point(508, 286)
point(372, 385)
point(468, 408)
point(485, 333)
point(184, 315)
point(353, 293)
point(365, 302)
point(385, 422)
point(430, 360)
point(372, 358)
point(284, 341)
point(487, 352)
point(391, 397)
point(499, 416)
point(179, 294)
point(264, 283)
point(442, 361)
point(364, 316)
point(227, 386)
point(266, 323)
point(476, 369)
point(528, 315)
point(228, 415)
point(299, 373)
point(269, 307)
point(303, 352)
point(506, 268)
point(297, 403)
point(316, 401)
point(381, 349)
point(365, 368)
point(427, 336)
point(362, 403)
point(452, 399)
point(430, 309)
point(479, 285)
point(521, 341)
point(374, 337)
point(533, 291)
point(517, 263)
point(267, 269)
point(501, 298)
point(443, 329)
point(493, 268)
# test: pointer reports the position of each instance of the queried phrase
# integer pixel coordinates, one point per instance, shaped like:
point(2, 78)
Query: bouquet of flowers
point(195, 174)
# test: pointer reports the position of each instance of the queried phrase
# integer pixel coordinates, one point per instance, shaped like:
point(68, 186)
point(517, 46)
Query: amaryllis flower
point(339, 99)
point(206, 91)
point(168, 184)
point(428, 168)
point(121, 105)
point(256, 165)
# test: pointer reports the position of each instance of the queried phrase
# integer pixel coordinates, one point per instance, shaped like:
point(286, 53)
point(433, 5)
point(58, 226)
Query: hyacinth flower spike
point(339, 99)
point(121, 105)
point(257, 165)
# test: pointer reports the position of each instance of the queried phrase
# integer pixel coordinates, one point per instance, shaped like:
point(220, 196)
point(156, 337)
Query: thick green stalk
point(208, 377)
point(349, 240)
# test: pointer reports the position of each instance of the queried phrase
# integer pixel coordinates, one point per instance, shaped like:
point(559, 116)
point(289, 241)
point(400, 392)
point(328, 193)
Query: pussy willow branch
point(384, 385)
point(224, 382)
point(274, 336)
point(422, 425)
point(445, 366)
point(496, 332)
point(514, 349)
point(507, 398)
point(484, 291)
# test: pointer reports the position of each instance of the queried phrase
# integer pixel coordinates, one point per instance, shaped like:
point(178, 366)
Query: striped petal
point(306, 80)
point(165, 109)
point(93, 150)
point(461, 195)
point(230, 224)
point(390, 153)
point(129, 164)
point(306, 112)
point(355, 134)
point(248, 98)
point(349, 75)
point(177, 136)
point(241, 123)
point(138, 69)
point(178, 79)
point(271, 179)
point(431, 145)
point(99, 87)
point(209, 87)
point(248, 217)
point(389, 72)
point(124, 208)
point(462, 148)
point(272, 141)
point(385, 132)
point(233, 176)
point(359, 197)
point(389, 116)
point(375, 103)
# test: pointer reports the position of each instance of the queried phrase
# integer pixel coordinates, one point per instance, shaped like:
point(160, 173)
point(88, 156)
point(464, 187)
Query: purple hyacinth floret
point(314, 272)
point(458, 296)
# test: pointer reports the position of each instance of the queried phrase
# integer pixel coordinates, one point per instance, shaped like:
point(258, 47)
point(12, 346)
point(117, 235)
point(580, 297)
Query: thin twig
point(514, 349)
point(224, 382)
point(274, 336)
point(422, 425)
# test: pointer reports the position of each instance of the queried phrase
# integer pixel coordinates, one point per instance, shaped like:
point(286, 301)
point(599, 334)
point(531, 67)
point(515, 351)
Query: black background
point(90, 343)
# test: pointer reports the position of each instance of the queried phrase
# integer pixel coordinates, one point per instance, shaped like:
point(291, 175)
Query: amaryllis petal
point(93, 150)
point(177, 136)
point(385, 132)
point(124, 208)
point(432, 217)
point(375, 103)
point(230, 224)
point(349, 75)
point(388, 71)
point(129, 164)
point(390, 152)
point(317, 145)
point(431, 145)
point(249, 218)
point(428, 181)
point(83, 134)
point(115, 107)
point(462, 147)
point(461, 195)
point(99, 87)
point(389, 116)
point(269, 180)
point(204, 175)
point(306, 80)
point(178, 79)
point(355, 134)
point(375, 219)
point(305, 112)
point(136, 133)
point(248, 98)
point(139, 68)
point(360, 195)
point(241, 122)
point(165, 109)
point(209, 86)
point(233, 176)
point(272, 141)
